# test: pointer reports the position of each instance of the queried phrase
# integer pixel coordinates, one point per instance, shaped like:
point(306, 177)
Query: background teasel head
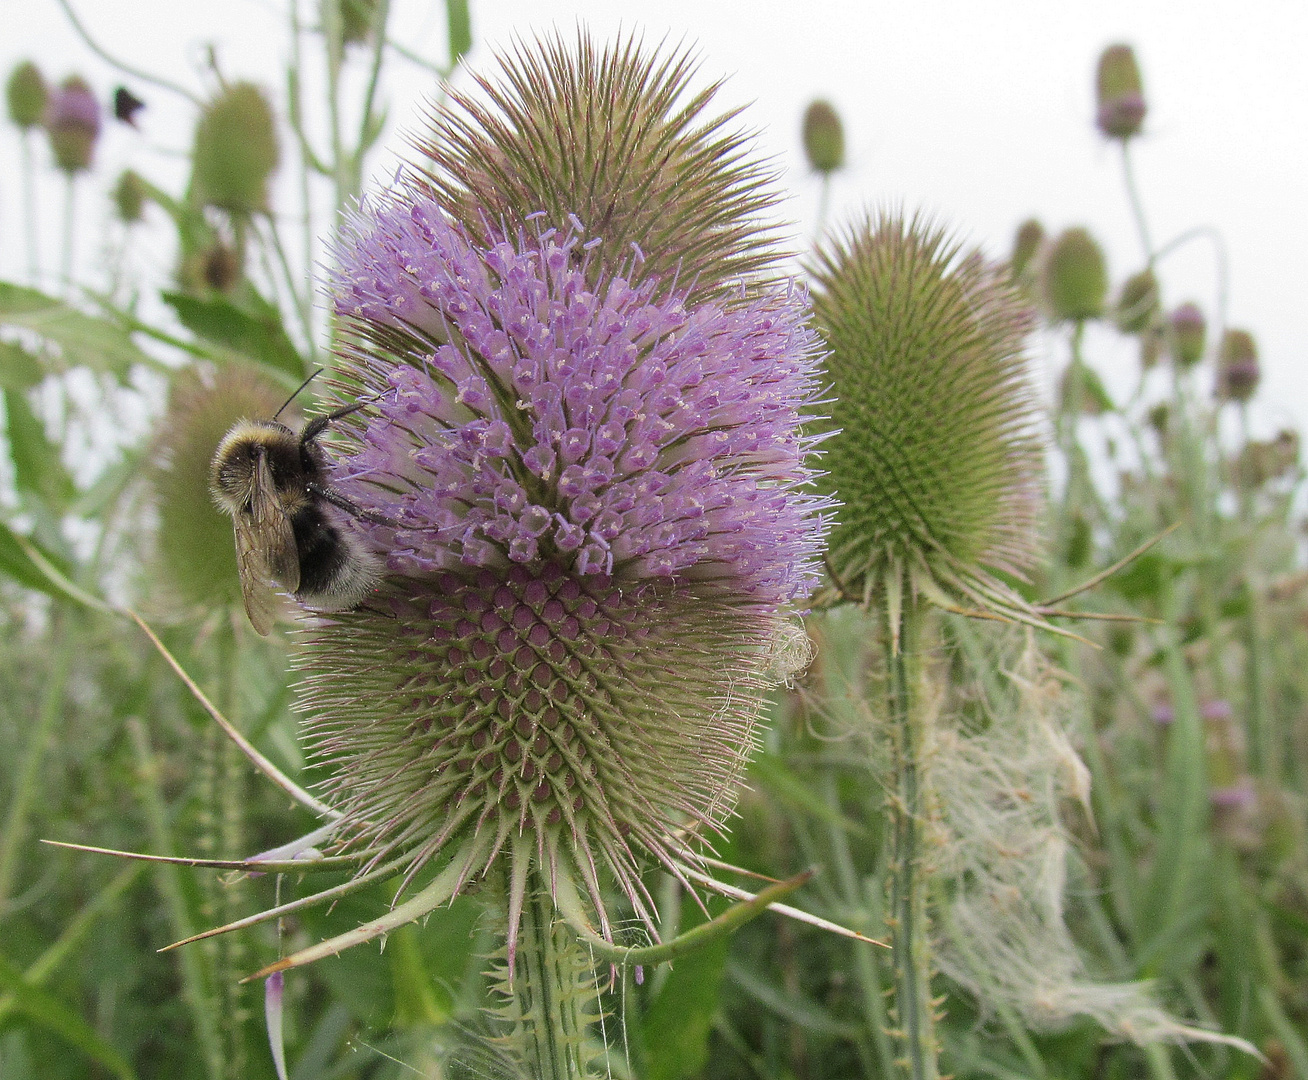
point(600, 493)
point(613, 137)
point(236, 151)
point(194, 562)
point(934, 454)
point(26, 94)
point(72, 120)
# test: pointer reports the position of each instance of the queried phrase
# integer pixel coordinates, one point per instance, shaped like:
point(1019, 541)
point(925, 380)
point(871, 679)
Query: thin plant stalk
point(1137, 206)
point(29, 209)
point(70, 231)
point(910, 931)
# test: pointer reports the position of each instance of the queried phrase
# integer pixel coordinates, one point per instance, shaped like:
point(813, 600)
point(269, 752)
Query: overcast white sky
point(978, 112)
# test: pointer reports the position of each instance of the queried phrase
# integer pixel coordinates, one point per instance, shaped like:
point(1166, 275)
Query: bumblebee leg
point(342, 503)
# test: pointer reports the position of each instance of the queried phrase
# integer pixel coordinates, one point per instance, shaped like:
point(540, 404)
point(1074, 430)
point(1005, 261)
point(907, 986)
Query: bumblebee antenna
point(316, 373)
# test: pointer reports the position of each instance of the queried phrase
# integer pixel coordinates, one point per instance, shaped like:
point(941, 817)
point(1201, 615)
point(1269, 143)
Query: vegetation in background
point(1053, 746)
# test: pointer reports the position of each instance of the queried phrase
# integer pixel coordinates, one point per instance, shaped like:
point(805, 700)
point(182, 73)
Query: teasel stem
point(910, 939)
point(29, 208)
point(70, 225)
point(549, 989)
point(1137, 206)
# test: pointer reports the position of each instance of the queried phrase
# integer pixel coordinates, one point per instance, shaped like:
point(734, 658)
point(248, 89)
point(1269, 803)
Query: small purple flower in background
point(1216, 709)
point(1163, 713)
point(1238, 796)
point(602, 517)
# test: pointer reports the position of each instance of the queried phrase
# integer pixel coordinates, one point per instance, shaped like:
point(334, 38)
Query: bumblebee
point(273, 484)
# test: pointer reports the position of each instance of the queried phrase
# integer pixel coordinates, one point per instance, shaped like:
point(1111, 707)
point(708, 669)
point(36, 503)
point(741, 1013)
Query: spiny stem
point(908, 881)
point(548, 1006)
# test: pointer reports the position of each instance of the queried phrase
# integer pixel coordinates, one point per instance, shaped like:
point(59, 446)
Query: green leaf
point(38, 469)
point(460, 24)
point(82, 340)
point(47, 1011)
point(675, 1028)
point(257, 333)
point(15, 562)
point(19, 369)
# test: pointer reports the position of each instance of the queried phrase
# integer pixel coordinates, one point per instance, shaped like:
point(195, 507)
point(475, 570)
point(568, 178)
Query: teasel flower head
point(128, 196)
point(933, 449)
point(601, 512)
point(236, 151)
point(1075, 277)
point(1136, 310)
point(1119, 93)
point(824, 137)
point(1238, 371)
point(614, 136)
point(72, 120)
point(26, 94)
point(1186, 333)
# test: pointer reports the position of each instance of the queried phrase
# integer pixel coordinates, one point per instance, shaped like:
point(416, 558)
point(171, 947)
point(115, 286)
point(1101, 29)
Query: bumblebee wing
point(256, 581)
point(273, 527)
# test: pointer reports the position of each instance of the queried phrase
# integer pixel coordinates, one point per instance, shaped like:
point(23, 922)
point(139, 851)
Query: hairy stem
point(909, 928)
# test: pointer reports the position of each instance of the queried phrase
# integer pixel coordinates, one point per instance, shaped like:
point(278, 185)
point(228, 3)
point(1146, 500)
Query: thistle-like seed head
point(933, 452)
point(615, 138)
point(1186, 335)
point(236, 151)
point(599, 491)
point(824, 137)
point(26, 93)
point(1238, 371)
point(1119, 93)
point(72, 120)
point(1138, 303)
point(1075, 277)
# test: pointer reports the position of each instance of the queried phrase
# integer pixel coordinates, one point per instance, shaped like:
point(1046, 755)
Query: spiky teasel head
point(614, 137)
point(601, 511)
point(933, 452)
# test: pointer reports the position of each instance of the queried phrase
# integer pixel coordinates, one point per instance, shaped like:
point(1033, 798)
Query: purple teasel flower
point(72, 119)
point(602, 520)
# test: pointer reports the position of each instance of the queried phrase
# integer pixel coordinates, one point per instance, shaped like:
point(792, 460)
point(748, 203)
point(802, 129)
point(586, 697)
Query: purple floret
point(73, 105)
point(547, 418)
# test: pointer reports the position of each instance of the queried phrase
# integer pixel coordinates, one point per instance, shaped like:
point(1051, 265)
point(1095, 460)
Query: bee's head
point(235, 468)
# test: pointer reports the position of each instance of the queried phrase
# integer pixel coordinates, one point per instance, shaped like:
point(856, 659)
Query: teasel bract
point(589, 373)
